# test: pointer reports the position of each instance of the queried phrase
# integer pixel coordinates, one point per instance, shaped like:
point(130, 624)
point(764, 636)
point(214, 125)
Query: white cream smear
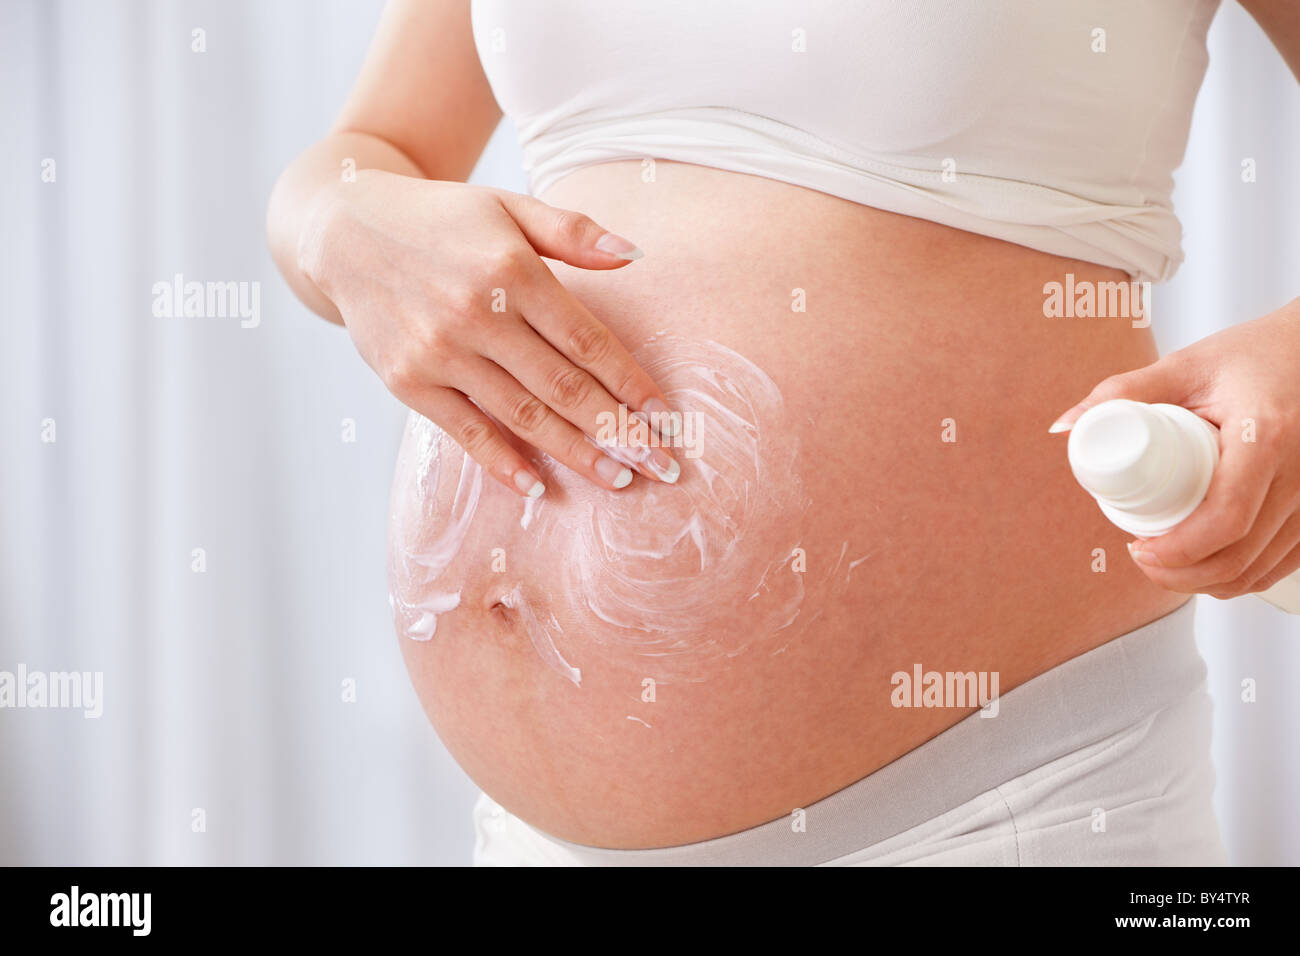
point(415, 604)
point(539, 634)
point(673, 579)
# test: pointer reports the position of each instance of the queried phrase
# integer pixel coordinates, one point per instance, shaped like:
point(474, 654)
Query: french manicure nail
point(1058, 427)
point(668, 422)
point(528, 484)
point(663, 465)
point(617, 475)
point(618, 246)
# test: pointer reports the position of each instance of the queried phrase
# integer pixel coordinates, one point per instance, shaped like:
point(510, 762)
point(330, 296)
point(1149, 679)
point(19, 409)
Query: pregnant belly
point(867, 487)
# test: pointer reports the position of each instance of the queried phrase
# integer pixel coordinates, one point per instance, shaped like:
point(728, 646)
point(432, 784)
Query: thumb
point(567, 235)
point(1161, 381)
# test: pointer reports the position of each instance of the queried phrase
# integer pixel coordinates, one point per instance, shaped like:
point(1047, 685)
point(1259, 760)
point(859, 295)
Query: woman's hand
point(1245, 535)
point(443, 290)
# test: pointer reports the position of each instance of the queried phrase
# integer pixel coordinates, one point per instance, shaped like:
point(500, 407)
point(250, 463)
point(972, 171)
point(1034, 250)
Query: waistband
point(1072, 706)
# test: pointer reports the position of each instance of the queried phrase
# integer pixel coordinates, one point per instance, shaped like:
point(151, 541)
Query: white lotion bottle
point(1149, 467)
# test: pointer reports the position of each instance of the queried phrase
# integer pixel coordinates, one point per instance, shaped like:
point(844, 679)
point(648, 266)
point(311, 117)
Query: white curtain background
point(223, 689)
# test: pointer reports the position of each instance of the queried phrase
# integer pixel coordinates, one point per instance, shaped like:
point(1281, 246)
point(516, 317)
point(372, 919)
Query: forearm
point(306, 182)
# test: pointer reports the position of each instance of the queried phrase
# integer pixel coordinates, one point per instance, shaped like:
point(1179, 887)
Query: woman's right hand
point(442, 288)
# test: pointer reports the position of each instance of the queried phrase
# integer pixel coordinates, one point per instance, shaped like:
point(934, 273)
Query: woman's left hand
point(1245, 535)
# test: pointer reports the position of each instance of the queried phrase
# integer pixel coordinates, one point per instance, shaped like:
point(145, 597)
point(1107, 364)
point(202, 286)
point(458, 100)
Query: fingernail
point(1141, 556)
point(611, 471)
point(1058, 427)
point(666, 421)
point(663, 466)
point(618, 246)
point(528, 484)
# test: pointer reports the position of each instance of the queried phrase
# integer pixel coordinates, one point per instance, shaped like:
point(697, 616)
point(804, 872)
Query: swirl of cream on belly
point(423, 545)
point(415, 566)
point(677, 577)
point(698, 571)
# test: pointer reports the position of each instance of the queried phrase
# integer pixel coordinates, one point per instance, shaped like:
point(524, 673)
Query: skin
point(419, 303)
point(869, 373)
point(947, 525)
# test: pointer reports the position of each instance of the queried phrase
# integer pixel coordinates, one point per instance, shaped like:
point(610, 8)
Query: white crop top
point(1055, 124)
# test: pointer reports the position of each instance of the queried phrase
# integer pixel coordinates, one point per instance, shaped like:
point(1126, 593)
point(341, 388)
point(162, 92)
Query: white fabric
point(1059, 137)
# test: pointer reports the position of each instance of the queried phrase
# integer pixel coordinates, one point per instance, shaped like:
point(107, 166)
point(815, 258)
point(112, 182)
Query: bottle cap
point(1121, 450)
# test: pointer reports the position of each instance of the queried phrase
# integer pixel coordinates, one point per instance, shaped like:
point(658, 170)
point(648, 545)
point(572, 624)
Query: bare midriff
point(871, 486)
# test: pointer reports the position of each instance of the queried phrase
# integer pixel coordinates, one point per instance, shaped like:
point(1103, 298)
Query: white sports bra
point(1055, 124)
